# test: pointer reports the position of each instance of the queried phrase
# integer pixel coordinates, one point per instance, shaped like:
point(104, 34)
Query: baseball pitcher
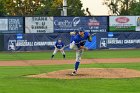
point(77, 43)
point(59, 46)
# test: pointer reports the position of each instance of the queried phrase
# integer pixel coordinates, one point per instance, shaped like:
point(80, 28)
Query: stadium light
point(65, 7)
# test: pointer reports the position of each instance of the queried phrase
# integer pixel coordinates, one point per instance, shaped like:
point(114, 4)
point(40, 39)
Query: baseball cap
point(81, 29)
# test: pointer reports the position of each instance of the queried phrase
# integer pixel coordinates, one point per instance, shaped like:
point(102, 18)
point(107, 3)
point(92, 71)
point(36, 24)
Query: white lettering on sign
point(67, 23)
point(14, 24)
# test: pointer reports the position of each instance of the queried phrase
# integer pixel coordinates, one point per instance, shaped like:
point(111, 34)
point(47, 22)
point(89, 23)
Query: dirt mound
point(91, 73)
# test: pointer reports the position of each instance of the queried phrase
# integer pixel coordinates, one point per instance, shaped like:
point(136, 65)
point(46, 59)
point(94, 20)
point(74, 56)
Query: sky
point(95, 7)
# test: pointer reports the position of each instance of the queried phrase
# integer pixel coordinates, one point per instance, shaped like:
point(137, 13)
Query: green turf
point(71, 55)
point(12, 81)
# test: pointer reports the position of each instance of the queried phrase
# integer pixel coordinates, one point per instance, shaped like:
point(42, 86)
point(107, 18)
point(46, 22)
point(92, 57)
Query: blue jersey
point(72, 38)
point(80, 41)
point(59, 45)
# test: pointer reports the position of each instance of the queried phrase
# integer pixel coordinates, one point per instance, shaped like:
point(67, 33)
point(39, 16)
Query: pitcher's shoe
point(74, 73)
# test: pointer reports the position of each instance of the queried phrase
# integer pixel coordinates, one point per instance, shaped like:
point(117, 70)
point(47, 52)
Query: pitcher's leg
point(78, 59)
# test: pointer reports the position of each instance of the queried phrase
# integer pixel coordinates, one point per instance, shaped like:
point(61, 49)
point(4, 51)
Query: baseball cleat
point(74, 73)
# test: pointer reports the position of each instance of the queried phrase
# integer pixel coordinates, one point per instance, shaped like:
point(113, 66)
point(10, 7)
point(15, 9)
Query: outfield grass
point(12, 81)
point(70, 55)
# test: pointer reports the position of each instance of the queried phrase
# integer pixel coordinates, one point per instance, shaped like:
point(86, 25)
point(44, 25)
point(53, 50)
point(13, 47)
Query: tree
point(2, 10)
point(41, 7)
point(75, 8)
point(135, 8)
point(120, 7)
point(21, 7)
point(54, 8)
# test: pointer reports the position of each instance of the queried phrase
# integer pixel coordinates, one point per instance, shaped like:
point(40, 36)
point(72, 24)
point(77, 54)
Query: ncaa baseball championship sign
point(39, 25)
point(114, 40)
point(33, 42)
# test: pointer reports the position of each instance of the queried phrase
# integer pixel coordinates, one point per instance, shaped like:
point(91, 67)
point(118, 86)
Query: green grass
point(70, 55)
point(12, 81)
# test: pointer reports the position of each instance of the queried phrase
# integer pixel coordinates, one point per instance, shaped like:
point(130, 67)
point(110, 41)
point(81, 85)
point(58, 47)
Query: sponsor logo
point(93, 22)
point(12, 45)
point(76, 21)
point(3, 24)
point(110, 34)
point(14, 24)
point(122, 19)
point(67, 23)
point(103, 43)
point(19, 36)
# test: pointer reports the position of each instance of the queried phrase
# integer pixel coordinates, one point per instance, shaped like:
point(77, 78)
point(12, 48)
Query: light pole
point(65, 7)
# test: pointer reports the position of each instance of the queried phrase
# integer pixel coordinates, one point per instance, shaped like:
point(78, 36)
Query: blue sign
point(90, 24)
point(19, 36)
point(38, 42)
point(110, 34)
point(33, 42)
point(11, 25)
point(118, 40)
point(91, 45)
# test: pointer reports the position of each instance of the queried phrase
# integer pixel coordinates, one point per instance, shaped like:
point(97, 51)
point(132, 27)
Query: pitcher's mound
point(91, 73)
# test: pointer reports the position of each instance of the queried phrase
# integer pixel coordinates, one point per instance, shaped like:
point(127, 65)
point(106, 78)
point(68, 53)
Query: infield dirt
point(82, 72)
point(91, 73)
point(59, 62)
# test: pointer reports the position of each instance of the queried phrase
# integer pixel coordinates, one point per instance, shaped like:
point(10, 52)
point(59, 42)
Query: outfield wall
point(42, 24)
point(40, 33)
point(38, 42)
point(53, 24)
point(1, 42)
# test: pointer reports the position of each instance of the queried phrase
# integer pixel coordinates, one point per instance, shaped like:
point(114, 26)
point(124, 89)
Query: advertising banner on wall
point(38, 42)
point(137, 23)
point(90, 24)
point(39, 25)
point(11, 24)
point(122, 23)
point(91, 45)
point(118, 40)
point(32, 42)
